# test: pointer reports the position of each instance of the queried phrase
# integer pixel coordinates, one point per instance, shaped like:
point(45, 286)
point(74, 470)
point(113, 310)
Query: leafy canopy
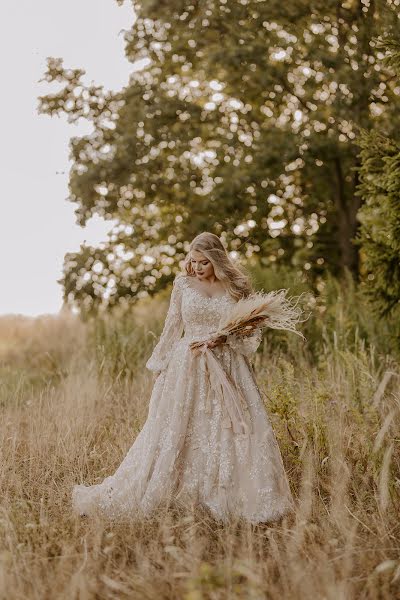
point(239, 118)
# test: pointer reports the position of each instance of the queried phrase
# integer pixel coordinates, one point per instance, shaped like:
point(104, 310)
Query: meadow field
point(74, 396)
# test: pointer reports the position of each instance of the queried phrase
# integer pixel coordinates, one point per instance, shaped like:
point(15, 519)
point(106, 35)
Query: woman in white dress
point(189, 451)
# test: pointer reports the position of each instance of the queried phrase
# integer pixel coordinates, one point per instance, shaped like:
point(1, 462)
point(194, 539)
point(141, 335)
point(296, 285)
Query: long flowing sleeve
point(171, 333)
point(245, 345)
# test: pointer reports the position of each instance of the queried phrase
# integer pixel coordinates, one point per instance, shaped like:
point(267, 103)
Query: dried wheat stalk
point(260, 309)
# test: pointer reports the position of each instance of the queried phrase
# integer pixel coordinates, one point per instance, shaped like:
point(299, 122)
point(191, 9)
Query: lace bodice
point(197, 316)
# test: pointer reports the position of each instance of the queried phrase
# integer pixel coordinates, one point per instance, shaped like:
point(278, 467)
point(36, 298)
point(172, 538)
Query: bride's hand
point(209, 344)
point(218, 342)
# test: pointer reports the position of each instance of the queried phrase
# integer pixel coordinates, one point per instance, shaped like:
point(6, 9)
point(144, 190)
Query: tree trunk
point(347, 207)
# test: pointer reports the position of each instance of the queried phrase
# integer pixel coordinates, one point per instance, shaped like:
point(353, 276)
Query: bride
point(188, 451)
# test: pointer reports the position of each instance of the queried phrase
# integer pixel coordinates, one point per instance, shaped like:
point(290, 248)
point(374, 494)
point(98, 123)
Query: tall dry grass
point(335, 412)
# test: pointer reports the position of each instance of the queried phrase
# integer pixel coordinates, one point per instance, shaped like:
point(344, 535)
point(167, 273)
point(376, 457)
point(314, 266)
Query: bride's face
point(202, 267)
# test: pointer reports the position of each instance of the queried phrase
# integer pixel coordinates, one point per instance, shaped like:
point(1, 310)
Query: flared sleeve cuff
point(157, 365)
point(245, 345)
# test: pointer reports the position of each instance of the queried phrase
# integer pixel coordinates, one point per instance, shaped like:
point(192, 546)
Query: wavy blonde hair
point(236, 281)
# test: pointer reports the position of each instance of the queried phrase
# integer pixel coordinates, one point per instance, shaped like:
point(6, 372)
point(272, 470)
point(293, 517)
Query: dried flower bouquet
point(259, 310)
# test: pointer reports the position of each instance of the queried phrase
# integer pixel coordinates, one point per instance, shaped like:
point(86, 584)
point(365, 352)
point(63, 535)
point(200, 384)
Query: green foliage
point(339, 317)
point(118, 345)
point(379, 234)
point(240, 120)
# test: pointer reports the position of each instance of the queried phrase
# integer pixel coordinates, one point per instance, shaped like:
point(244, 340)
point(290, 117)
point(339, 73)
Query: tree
point(241, 120)
point(379, 234)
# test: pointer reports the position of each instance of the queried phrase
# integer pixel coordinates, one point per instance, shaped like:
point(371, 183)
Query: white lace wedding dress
point(187, 450)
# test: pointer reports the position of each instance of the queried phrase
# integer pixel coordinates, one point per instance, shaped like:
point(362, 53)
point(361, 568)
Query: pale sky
point(37, 224)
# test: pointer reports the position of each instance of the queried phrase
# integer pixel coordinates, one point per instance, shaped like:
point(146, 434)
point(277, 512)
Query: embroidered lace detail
point(185, 451)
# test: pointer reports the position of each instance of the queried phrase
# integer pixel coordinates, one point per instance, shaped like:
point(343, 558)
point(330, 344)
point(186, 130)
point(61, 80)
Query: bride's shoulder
point(181, 280)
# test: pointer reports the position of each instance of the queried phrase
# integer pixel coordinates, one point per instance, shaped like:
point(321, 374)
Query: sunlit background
point(273, 144)
point(37, 224)
point(275, 125)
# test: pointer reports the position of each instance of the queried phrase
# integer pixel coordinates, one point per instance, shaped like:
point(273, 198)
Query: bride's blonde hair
point(237, 282)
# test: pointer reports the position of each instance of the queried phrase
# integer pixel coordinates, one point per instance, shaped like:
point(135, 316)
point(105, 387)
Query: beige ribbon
point(234, 405)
